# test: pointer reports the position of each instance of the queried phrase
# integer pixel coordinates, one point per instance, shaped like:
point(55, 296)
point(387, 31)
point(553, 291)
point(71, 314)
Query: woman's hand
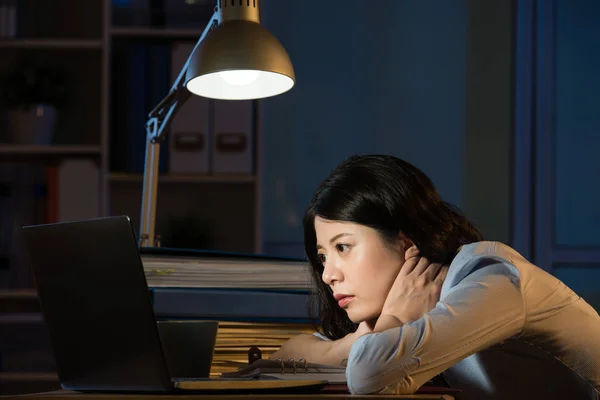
point(416, 289)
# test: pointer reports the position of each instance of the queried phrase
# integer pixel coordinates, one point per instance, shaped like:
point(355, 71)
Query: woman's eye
point(321, 258)
point(341, 247)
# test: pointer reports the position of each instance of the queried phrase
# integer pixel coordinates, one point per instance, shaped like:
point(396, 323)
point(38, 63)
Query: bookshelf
point(86, 49)
point(228, 205)
point(82, 39)
point(79, 49)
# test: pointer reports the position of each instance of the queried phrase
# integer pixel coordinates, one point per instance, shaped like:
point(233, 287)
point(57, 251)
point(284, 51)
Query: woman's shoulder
point(472, 255)
point(493, 249)
point(485, 249)
point(481, 258)
point(485, 259)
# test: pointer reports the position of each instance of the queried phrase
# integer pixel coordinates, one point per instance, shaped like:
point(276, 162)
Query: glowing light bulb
point(239, 77)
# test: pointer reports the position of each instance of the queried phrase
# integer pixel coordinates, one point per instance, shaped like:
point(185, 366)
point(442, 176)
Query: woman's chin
point(358, 318)
point(354, 317)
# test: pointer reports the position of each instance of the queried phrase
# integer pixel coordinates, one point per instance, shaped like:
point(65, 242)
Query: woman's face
point(358, 266)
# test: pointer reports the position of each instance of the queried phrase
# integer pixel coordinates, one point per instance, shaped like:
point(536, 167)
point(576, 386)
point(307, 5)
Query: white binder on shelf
point(189, 132)
point(233, 141)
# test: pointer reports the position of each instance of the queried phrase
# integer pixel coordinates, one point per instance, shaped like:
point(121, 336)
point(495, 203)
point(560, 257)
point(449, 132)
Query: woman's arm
point(484, 308)
point(317, 350)
point(305, 346)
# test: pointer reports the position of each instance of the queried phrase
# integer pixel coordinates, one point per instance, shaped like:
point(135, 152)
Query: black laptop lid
point(96, 305)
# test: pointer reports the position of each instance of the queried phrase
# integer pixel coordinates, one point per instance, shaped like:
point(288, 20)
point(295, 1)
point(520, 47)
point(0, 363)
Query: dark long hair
point(391, 196)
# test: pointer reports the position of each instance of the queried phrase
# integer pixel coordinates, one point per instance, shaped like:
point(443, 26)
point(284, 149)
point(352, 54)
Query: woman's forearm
point(385, 322)
point(316, 350)
point(306, 346)
point(340, 349)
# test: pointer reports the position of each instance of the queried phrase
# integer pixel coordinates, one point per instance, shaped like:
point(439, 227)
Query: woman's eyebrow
point(336, 237)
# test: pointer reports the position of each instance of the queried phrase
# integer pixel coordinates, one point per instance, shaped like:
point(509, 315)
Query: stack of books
point(181, 270)
point(234, 339)
point(259, 301)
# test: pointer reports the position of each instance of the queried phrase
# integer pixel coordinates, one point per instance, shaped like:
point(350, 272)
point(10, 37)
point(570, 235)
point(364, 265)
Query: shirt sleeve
point(483, 309)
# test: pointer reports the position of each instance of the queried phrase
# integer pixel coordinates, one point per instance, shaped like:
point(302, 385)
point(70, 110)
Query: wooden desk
point(66, 395)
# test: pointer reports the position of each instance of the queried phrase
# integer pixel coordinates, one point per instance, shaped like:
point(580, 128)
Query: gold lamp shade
point(239, 60)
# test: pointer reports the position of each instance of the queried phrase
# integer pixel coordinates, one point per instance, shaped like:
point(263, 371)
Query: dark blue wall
point(578, 122)
point(389, 78)
point(577, 154)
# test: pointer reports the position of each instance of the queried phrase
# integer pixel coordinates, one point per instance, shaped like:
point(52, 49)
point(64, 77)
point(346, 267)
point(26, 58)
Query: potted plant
point(32, 95)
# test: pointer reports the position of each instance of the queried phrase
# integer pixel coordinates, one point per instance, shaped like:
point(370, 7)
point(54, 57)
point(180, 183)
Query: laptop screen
point(96, 305)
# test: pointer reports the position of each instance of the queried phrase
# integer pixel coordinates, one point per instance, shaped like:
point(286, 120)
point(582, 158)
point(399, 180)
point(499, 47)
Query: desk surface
point(67, 395)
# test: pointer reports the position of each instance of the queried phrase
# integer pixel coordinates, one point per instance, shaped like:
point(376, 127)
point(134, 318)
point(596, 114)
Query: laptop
point(98, 310)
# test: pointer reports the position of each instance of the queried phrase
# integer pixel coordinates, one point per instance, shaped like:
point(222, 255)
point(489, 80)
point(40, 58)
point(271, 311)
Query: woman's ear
point(405, 244)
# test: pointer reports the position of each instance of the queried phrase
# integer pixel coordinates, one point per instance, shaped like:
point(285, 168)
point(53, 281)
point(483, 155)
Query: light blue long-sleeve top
point(503, 329)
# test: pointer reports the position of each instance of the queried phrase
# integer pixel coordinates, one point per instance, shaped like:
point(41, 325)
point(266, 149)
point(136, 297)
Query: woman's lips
point(344, 301)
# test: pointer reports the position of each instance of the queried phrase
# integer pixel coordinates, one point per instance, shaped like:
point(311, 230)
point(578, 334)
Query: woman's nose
point(331, 273)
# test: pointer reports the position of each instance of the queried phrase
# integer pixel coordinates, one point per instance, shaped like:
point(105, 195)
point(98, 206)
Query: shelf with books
point(144, 61)
point(116, 75)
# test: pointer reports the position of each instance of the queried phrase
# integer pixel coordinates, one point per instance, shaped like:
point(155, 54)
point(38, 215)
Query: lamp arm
point(156, 127)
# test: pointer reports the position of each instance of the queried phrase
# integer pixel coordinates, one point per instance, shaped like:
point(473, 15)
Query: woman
point(407, 290)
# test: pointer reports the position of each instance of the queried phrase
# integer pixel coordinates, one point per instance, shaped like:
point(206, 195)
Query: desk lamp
point(234, 59)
